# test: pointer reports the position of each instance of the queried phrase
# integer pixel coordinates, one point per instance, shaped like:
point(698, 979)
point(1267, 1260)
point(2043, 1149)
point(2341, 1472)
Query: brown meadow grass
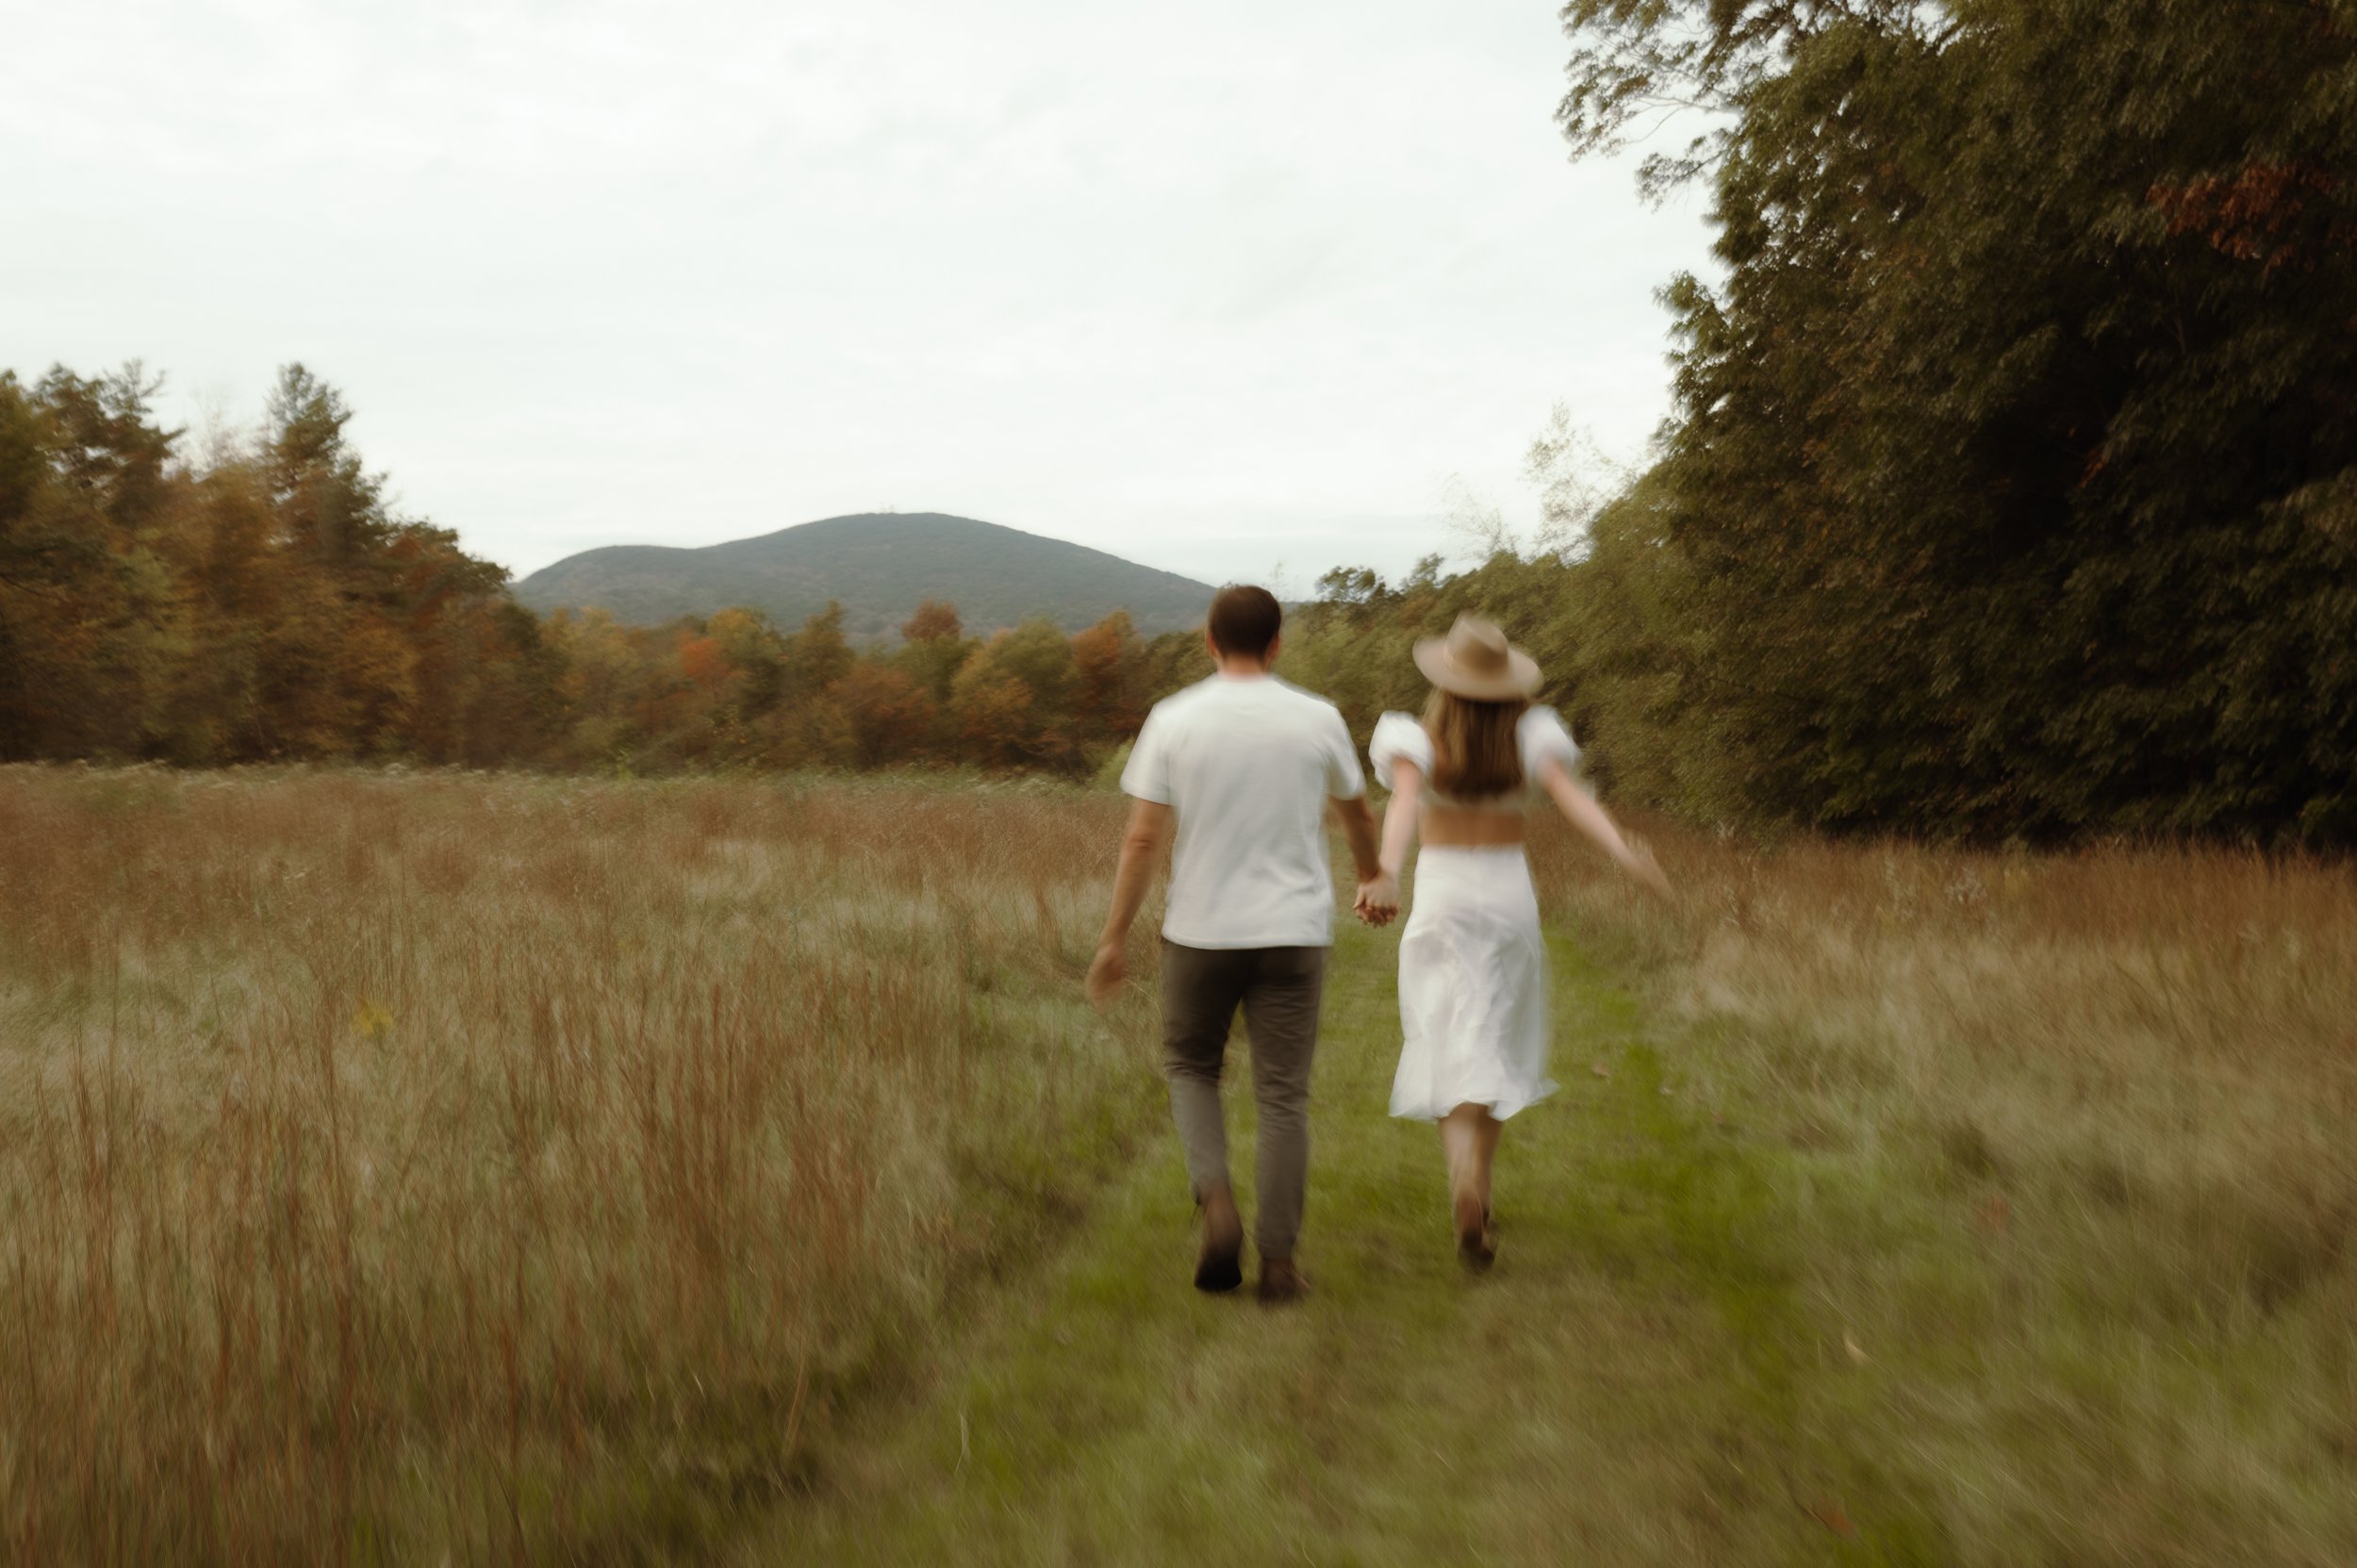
point(2067, 1148)
point(394, 1165)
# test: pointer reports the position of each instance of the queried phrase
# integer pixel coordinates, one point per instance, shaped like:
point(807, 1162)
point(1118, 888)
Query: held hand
point(1110, 968)
point(1377, 903)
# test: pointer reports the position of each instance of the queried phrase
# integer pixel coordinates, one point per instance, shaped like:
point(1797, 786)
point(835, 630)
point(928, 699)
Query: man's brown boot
point(1220, 1265)
point(1281, 1281)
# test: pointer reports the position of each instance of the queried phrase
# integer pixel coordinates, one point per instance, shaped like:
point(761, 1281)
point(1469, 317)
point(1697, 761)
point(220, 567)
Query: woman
point(1472, 982)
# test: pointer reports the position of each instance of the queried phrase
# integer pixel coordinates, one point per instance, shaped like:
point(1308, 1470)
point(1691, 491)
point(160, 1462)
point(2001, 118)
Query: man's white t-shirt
point(1247, 764)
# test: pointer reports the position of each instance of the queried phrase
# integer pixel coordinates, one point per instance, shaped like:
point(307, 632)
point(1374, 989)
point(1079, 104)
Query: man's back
point(1243, 765)
point(1246, 764)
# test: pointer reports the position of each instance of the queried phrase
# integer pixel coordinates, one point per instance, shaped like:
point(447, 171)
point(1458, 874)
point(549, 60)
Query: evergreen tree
point(2011, 480)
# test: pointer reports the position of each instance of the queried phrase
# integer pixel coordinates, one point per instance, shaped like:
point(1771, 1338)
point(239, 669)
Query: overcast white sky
point(1222, 288)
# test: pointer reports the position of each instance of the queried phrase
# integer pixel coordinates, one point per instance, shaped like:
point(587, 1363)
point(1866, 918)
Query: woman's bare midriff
point(1470, 827)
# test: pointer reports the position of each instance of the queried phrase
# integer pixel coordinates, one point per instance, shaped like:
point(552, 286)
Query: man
point(1243, 766)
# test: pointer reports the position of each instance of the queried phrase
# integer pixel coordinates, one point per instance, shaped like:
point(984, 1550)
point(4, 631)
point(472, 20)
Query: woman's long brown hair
point(1474, 747)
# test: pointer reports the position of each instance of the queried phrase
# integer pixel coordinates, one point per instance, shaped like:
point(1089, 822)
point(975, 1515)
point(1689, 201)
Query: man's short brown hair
point(1244, 621)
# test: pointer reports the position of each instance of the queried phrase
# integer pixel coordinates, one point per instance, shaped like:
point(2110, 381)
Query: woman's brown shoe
point(1219, 1266)
point(1281, 1281)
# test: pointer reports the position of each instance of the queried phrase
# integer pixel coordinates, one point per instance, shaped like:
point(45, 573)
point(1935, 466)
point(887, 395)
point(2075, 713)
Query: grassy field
point(401, 1169)
point(1898, 1207)
point(394, 1166)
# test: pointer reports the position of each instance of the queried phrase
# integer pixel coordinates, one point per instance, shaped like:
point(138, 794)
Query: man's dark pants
point(1278, 989)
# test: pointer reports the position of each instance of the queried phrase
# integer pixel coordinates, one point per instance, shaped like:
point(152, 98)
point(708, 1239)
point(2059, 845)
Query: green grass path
point(1623, 1388)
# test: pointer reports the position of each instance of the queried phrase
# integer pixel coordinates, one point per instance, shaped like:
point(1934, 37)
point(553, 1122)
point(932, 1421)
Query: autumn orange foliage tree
point(267, 603)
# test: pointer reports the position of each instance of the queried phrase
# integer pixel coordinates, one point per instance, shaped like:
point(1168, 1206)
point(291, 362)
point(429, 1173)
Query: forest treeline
point(2011, 483)
point(262, 601)
point(2010, 487)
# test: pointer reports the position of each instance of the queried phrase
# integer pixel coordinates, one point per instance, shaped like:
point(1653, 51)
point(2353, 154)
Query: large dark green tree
point(2012, 485)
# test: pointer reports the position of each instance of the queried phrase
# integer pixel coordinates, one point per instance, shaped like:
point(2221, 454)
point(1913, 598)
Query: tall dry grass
point(393, 1168)
point(499, 1168)
point(2068, 1152)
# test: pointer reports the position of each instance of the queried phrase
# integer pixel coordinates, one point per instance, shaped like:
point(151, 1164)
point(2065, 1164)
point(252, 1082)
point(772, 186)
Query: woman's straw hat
point(1475, 660)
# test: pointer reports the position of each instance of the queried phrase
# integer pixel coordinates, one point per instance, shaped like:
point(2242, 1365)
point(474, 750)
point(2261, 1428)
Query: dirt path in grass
point(1622, 1389)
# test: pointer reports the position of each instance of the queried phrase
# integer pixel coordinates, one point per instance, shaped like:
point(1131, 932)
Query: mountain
point(879, 566)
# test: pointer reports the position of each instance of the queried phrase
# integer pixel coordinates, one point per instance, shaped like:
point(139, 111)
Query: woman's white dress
point(1472, 967)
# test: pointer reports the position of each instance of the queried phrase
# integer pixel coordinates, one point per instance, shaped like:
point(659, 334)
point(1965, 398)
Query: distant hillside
point(879, 566)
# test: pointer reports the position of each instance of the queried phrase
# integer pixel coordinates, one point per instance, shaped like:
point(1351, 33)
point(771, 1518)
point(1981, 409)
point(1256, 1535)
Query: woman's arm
point(1379, 900)
point(1584, 812)
point(1399, 818)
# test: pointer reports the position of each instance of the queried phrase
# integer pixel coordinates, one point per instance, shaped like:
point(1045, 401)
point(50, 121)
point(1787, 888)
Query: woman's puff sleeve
point(1400, 739)
point(1545, 738)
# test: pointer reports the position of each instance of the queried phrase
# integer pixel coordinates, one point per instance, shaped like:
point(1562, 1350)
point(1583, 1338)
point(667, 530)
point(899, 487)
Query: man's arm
point(1359, 827)
point(1141, 854)
point(1346, 792)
